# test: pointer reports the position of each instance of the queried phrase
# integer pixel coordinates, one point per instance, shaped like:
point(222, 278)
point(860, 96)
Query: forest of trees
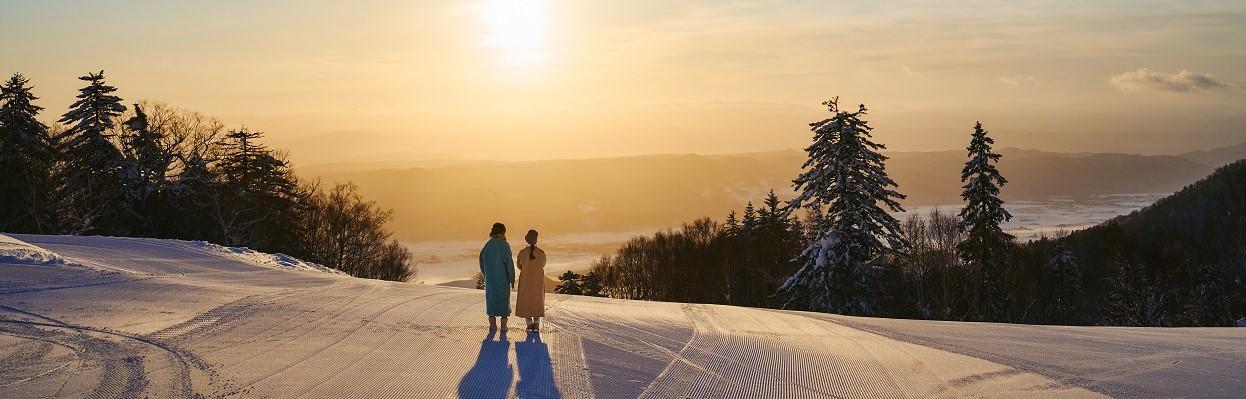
point(737, 263)
point(152, 170)
point(1179, 262)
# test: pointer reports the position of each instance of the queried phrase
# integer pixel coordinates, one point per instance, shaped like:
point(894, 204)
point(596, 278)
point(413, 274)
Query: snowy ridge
point(166, 318)
point(15, 251)
point(276, 261)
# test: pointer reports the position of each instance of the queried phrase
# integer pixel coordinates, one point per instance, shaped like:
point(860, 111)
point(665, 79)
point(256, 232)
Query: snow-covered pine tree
point(26, 161)
point(146, 164)
point(262, 197)
point(846, 175)
point(813, 224)
point(1065, 285)
point(92, 183)
point(986, 244)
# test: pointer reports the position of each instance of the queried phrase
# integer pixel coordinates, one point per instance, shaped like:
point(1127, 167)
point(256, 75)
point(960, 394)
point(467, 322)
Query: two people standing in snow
point(498, 273)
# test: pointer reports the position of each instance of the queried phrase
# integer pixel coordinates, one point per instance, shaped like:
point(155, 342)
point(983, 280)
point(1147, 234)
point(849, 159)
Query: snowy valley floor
point(155, 318)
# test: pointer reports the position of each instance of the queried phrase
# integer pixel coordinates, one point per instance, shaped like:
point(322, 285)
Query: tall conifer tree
point(846, 175)
point(93, 163)
point(26, 161)
point(986, 244)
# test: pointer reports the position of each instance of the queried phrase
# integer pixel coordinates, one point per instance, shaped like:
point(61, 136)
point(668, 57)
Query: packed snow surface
point(159, 318)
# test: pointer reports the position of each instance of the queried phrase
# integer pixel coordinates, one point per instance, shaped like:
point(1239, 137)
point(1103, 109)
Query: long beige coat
point(530, 302)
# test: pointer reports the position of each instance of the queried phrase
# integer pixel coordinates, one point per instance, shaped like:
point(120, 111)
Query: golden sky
point(537, 79)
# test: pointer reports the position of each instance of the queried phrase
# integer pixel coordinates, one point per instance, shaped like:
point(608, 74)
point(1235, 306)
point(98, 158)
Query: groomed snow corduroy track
point(160, 318)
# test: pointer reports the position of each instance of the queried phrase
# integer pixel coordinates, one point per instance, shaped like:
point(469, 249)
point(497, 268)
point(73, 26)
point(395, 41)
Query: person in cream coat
point(530, 302)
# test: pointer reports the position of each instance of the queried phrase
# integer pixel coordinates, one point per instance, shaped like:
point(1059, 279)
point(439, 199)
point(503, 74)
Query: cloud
point(1180, 82)
point(909, 71)
point(1018, 80)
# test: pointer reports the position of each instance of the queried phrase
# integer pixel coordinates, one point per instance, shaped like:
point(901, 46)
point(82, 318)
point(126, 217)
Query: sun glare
point(517, 28)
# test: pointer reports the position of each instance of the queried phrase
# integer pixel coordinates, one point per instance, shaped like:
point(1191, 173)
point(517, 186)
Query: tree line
point(1179, 262)
point(152, 170)
point(739, 262)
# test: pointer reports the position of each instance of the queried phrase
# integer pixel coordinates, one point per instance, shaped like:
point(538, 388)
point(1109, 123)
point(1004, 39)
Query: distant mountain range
point(437, 200)
point(1217, 157)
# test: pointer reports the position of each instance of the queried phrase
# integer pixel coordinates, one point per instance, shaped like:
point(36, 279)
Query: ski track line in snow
point(1061, 376)
point(335, 342)
point(583, 325)
point(223, 326)
point(77, 352)
point(303, 326)
point(612, 341)
point(426, 343)
point(569, 362)
point(268, 332)
point(120, 377)
point(670, 383)
point(618, 327)
point(205, 322)
point(59, 276)
point(706, 356)
point(24, 358)
point(182, 382)
point(990, 376)
point(82, 285)
point(366, 356)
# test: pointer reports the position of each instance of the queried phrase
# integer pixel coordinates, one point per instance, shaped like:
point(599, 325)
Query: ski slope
point(124, 317)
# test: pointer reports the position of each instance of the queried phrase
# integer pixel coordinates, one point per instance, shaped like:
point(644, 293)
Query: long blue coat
point(498, 268)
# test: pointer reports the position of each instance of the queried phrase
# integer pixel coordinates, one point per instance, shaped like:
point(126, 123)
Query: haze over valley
point(587, 207)
point(451, 199)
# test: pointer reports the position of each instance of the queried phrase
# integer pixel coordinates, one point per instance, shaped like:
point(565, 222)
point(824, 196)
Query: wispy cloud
point(1180, 82)
point(909, 72)
point(1018, 80)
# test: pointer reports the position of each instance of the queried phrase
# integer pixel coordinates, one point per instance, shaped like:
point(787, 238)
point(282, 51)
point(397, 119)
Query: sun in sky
point(517, 29)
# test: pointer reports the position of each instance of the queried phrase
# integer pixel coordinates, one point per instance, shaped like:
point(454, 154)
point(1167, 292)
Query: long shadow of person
point(491, 376)
point(536, 373)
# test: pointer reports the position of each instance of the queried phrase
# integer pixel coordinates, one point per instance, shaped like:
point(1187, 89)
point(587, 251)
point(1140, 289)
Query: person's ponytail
point(531, 238)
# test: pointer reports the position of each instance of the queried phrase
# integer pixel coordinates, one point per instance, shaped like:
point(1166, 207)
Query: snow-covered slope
point(170, 318)
point(15, 251)
point(279, 260)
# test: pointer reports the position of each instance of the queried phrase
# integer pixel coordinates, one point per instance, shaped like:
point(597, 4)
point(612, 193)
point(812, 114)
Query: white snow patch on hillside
point(15, 251)
point(276, 261)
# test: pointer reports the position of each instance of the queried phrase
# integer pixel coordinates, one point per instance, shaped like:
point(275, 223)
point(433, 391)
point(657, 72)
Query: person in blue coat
point(497, 267)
